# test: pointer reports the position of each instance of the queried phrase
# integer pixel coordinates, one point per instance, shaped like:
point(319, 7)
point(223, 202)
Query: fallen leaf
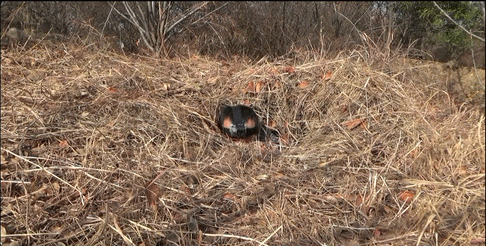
point(166, 86)
point(229, 196)
point(278, 175)
point(284, 139)
point(406, 196)
point(272, 124)
point(250, 87)
point(261, 177)
point(289, 69)
point(303, 84)
point(112, 89)
point(273, 70)
point(7, 61)
point(56, 188)
point(84, 114)
point(152, 192)
point(363, 125)
point(331, 198)
point(213, 80)
point(327, 76)
point(258, 86)
point(477, 240)
point(354, 123)
point(376, 232)
point(63, 143)
point(359, 200)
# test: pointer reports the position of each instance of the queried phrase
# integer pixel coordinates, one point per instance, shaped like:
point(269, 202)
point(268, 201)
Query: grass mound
point(102, 148)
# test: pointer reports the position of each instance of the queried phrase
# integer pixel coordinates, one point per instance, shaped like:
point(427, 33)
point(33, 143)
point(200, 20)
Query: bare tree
point(156, 21)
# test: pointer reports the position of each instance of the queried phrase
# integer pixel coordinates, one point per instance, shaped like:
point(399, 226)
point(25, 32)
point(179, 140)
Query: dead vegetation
point(106, 149)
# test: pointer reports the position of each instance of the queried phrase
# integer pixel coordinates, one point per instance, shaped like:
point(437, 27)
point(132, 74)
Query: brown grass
point(380, 151)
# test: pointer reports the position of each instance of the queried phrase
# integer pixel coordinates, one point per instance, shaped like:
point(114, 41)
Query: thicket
point(444, 30)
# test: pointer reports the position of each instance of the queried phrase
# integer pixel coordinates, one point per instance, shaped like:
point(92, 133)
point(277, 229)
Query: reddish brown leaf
point(273, 70)
point(112, 89)
point(289, 69)
point(344, 108)
point(230, 197)
point(272, 123)
point(303, 84)
point(152, 192)
point(250, 87)
point(354, 123)
point(478, 241)
point(258, 86)
point(406, 196)
point(376, 232)
point(327, 76)
point(363, 124)
point(359, 200)
point(63, 143)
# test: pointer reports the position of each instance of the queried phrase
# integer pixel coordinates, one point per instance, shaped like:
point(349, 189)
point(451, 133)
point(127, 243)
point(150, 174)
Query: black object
point(238, 121)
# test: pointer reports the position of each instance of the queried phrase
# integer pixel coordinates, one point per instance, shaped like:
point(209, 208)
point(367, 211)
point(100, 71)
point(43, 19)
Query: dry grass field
point(100, 148)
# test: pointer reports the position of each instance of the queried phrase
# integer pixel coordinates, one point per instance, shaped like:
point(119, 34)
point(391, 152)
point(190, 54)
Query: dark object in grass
point(240, 121)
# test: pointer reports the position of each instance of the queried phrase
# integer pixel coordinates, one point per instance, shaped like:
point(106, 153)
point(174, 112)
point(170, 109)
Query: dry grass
point(85, 131)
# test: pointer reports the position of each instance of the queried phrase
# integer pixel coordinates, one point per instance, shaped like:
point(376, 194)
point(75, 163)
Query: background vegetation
point(109, 138)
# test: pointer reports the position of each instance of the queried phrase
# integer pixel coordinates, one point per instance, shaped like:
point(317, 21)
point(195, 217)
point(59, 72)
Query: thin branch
point(209, 13)
point(185, 16)
point(470, 33)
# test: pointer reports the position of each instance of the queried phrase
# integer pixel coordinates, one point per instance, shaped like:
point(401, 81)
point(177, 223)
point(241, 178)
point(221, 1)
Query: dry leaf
point(261, 177)
point(331, 198)
point(250, 87)
point(213, 80)
point(166, 86)
point(406, 196)
point(56, 188)
point(272, 124)
point(258, 86)
point(376, 232)
point(478, 241)
point(303, 84)
point(354, 123)
point(278, 175)
point(289, 69)
point(327, 76)
point(229, 196)
point(152, 192)
point(273, 70)
point(359, 200)
point(112, 89)
point(63, 143)
point(7, 61)
point(284, 139)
